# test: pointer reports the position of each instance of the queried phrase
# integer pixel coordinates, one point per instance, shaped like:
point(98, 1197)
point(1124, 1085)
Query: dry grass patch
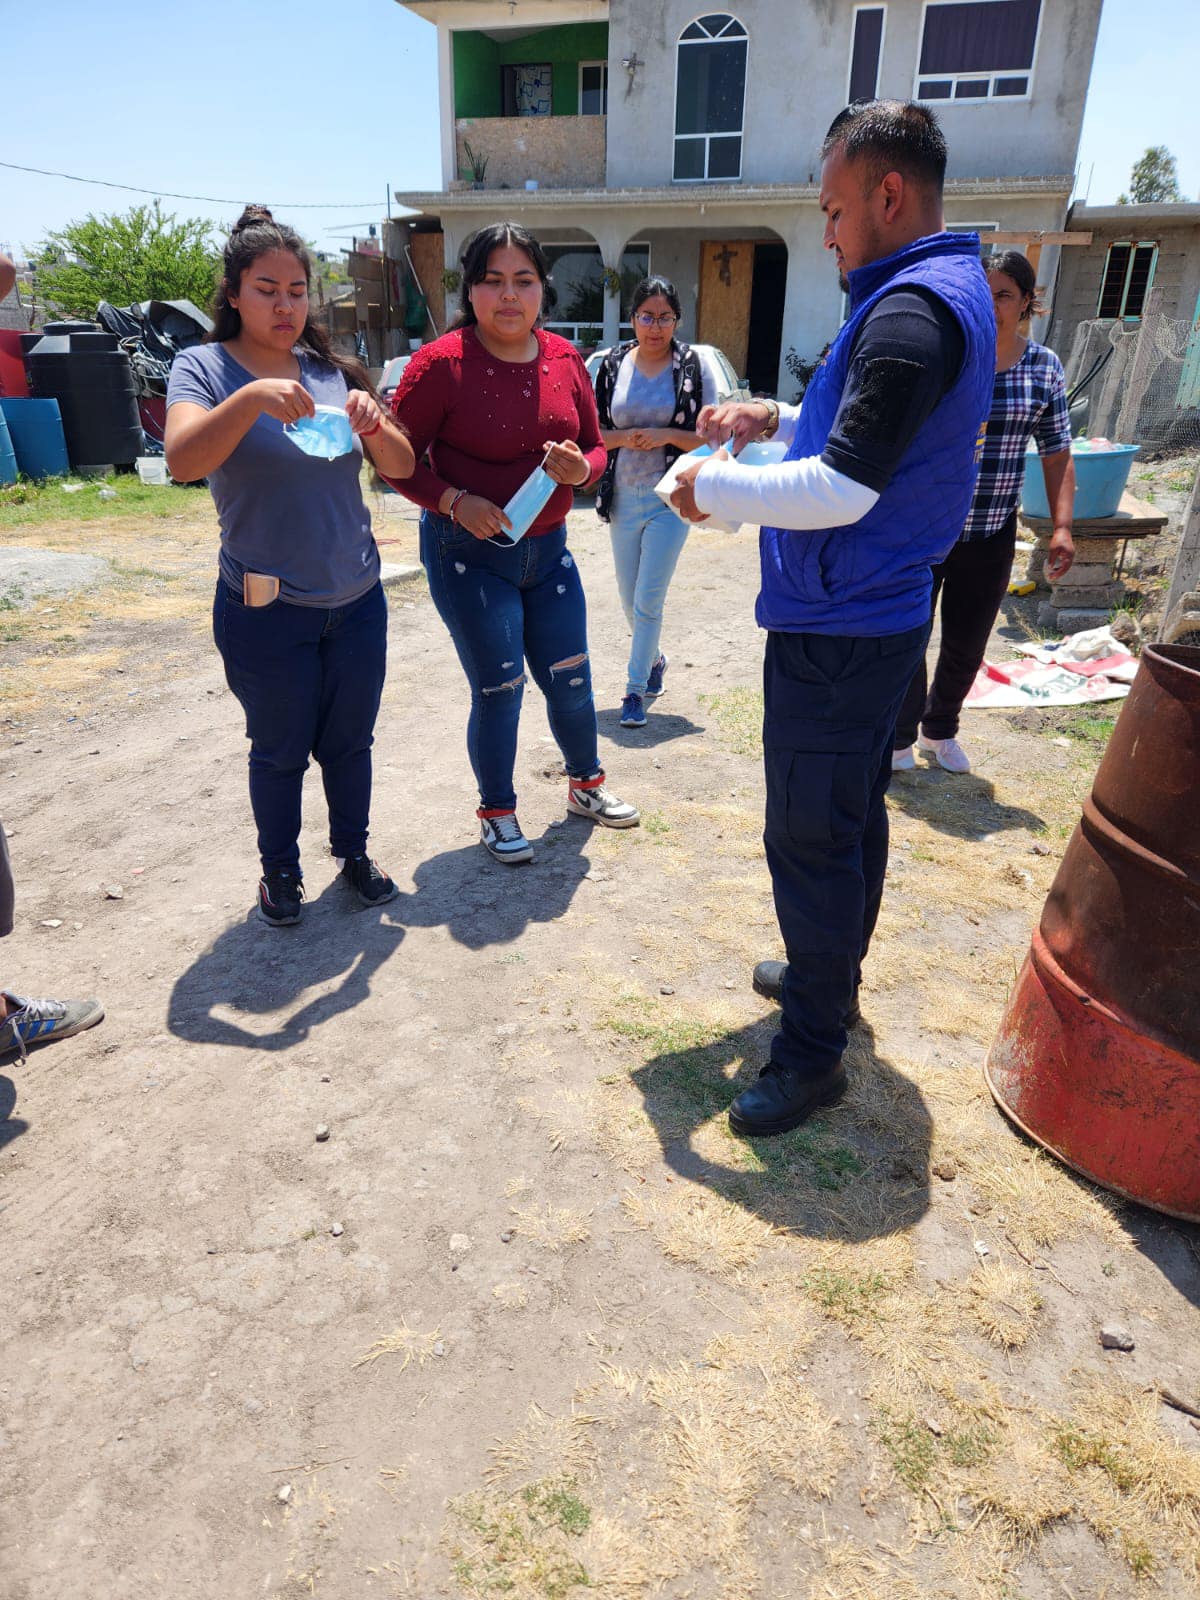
point(700, 1228)
point(1004, 1302)
point(404, 1342)
point(544, 1447)
point(553, 1228)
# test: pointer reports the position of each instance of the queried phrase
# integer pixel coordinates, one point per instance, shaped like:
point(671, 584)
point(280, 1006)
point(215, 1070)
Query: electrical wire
point(171, 194)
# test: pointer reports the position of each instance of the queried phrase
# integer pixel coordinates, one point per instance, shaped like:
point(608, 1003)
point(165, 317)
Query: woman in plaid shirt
point(1029, 400)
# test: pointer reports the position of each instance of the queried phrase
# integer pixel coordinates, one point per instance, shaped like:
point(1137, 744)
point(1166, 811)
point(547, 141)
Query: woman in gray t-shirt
point(649, 395)
point(299, 614)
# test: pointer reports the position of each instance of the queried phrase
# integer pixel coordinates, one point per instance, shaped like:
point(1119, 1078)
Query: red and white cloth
point(1079, 670)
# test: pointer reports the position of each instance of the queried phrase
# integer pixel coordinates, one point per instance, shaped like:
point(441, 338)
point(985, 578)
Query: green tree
point(136, 255)
point(1154, 178)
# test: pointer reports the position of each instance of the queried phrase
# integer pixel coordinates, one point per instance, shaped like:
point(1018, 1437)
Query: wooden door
point(726, 282)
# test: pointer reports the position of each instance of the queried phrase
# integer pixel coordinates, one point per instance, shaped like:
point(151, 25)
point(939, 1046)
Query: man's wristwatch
point(770, 427)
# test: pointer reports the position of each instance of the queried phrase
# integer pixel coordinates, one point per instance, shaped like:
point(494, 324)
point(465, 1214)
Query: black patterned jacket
point(689, 388)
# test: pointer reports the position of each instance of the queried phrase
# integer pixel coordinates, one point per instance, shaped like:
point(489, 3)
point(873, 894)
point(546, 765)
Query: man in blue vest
point(875, 489)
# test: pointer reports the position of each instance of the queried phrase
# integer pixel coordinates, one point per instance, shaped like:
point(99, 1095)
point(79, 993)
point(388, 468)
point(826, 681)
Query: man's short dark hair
point(890, 136)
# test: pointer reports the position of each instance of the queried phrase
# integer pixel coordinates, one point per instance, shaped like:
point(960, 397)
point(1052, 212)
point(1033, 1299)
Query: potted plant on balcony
point(477, 164)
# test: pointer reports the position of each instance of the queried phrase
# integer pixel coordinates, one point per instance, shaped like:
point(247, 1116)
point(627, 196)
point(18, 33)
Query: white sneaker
point(601, 805)
point(502, 838)
point(903, 760)
point(948, 752)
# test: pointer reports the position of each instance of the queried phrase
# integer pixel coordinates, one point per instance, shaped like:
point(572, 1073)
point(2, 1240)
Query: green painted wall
point(478, 60)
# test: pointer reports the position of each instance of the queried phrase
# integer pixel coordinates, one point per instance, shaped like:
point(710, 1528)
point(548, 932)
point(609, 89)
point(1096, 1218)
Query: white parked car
point(715, 362)
point(389, 381)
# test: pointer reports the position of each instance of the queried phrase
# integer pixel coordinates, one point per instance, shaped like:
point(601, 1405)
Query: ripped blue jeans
point(505, 605)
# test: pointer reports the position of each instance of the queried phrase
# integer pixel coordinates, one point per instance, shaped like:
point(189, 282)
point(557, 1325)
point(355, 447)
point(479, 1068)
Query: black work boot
point(768, 982)
point(782, 1099)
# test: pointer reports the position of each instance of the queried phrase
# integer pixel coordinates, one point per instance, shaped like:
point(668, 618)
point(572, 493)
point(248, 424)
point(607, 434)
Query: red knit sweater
point(484, 422)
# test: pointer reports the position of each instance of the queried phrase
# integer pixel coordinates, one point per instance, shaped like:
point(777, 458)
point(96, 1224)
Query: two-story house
point(635, 134)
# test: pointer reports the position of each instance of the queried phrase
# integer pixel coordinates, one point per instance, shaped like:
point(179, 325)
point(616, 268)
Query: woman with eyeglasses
point(649, 395)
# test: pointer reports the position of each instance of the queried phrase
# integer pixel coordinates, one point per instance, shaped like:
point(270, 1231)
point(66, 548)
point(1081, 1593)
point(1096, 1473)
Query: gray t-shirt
point(299, 518)
point(641, 402)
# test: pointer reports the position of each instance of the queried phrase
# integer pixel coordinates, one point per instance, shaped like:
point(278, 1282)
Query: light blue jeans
point(647, 538)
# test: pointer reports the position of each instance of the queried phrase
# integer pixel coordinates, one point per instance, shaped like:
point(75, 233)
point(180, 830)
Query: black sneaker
point(279, 897)
point(654, 684)
point(369, 882)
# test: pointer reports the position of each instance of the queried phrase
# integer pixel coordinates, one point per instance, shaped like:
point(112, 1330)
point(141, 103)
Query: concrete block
point(393, 572)
point(1077, 619)
point(1103, 552)
point(1096, 595)
point(1087, 575)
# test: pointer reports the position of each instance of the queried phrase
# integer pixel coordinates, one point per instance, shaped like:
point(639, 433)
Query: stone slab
point(1133, 519)
point(29, 575)
point(394, 572)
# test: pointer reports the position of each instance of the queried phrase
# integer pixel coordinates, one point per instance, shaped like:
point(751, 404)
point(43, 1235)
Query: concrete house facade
point(635, 134)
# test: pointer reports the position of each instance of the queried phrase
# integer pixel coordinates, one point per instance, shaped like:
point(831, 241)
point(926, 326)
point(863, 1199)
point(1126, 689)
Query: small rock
point(459, 1244)
point(945, 1170)
point(210, 1249)
point(51, 922)
point(439, 1348)
point(284, 1493)
point(730, 983)
point(252, 1407)
point(1114, 1337)
point(138, 1362)
point(1039, 849)
point(113, 891)
point(337, 1230)
point(934, 1427)
point(325, 1078)
point(665, 988)
point(981, 1249)
point(322, 1132)
point(508, 1236)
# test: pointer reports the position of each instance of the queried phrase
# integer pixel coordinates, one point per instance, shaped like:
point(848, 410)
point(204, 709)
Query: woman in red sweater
point(483, 405)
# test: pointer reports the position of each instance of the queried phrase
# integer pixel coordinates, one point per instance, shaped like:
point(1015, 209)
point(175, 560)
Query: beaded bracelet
point(454, 505)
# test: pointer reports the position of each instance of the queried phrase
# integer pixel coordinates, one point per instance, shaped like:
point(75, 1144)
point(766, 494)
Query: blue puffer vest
point(872, 577)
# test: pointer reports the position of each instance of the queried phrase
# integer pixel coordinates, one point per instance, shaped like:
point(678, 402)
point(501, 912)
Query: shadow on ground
point(962, 805)
point(341, 946)
point(661, 727)
point(857, 1171)
point(10, 1127)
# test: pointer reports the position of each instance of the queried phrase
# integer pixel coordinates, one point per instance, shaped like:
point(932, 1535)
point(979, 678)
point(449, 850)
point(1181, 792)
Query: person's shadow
point(858, 1170)
point(960, 804)
point(258, 971)
point(661, 727)
point(10, 1127)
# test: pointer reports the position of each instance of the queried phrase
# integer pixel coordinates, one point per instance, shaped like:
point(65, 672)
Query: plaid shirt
point(1029, 400)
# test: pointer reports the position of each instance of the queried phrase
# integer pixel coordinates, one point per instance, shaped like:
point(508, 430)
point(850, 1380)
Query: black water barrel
point(84, 369)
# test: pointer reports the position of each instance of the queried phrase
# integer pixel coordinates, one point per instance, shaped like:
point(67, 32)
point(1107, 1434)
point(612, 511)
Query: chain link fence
point(1147, 386)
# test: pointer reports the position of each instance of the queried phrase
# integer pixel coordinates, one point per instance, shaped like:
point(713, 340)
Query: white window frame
point(695, 138)
point(603, 66)
point(1133, 246)
point(868, 5)
point(955, 78)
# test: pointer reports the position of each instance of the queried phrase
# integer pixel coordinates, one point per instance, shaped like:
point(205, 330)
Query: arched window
point(710, 96)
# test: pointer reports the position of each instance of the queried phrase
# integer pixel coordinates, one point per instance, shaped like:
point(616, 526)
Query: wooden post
point(1186, 577)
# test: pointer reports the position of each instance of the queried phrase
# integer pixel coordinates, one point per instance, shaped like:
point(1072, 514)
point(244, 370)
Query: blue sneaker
point(633, 712)
point(654, 684)
point(43, 1021)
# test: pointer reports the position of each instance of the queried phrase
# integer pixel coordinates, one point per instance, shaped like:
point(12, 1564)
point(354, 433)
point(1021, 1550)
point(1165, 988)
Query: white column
point(446, 108)
point(612, 239)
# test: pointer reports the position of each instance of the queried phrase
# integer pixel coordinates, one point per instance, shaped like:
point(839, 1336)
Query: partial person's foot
point(368, 880)
point(768, 982)
point(633, 712)
point(948, 753)
point(279, 897)
point(903, 760)
point(654, 684)
point(591, 798)
point(503, 840)
point(43, 1021)
point(782, 1099)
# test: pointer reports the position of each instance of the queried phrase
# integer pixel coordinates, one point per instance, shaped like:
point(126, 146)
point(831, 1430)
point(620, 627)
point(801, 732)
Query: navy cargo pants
point(830, 708)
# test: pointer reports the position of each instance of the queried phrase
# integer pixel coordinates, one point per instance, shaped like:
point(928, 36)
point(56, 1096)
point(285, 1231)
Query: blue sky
point(320, 102)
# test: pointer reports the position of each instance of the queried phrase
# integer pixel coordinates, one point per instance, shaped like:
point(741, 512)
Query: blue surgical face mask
point(326, 434)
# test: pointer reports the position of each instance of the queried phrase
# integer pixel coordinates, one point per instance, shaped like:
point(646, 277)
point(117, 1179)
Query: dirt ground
point(530, 1322)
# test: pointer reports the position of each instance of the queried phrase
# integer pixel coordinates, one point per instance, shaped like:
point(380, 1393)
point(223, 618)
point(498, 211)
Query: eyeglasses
point(667, 320)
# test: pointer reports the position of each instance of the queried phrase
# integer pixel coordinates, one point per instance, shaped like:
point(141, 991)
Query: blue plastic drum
point(36, 429)
point(8, 459)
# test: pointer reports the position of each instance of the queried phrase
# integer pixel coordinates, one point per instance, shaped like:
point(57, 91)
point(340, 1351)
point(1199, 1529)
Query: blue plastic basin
point(8, 459)
point(1100, 480)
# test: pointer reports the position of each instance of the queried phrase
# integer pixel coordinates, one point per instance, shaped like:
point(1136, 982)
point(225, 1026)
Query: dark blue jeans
point(505, 605)
point(309, 681)
point(830, 707)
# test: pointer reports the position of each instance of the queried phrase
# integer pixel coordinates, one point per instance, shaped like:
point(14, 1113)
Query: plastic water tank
point(8, 459)
point(91, 378)
point(36, 430)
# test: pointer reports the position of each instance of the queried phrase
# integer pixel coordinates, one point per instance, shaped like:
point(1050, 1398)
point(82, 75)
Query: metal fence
point(1148, 390)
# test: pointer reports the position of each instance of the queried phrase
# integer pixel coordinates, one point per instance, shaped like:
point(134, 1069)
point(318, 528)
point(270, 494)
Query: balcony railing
point(553, 152)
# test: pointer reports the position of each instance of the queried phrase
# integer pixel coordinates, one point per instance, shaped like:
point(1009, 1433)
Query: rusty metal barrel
point(1098, 1055)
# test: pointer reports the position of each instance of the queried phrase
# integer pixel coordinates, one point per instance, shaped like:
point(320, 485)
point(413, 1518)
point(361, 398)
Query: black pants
point(830, 708)
point(972, 583)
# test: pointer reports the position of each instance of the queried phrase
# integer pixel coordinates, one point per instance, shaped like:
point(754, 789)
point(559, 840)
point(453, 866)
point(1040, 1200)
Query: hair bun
point(250, 216)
